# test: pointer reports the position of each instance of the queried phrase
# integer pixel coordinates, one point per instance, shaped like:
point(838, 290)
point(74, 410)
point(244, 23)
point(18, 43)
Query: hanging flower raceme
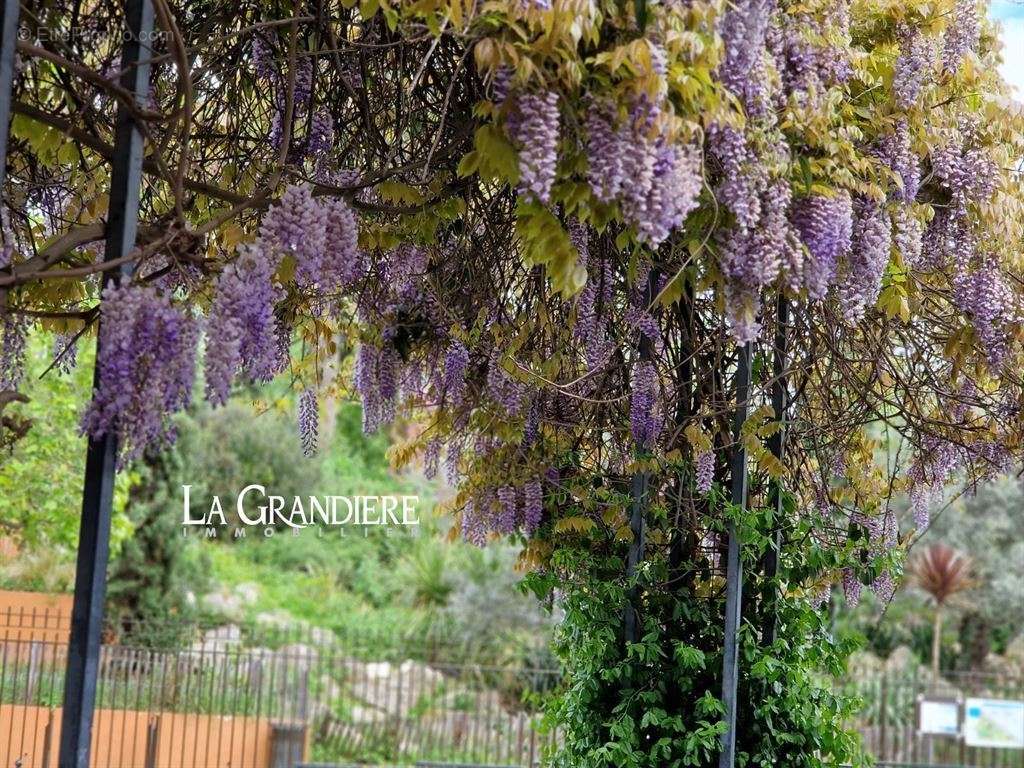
point(966, 171)
point(912, 66)
point(655, 181)
point(65, 352)
point(145, 368)
point(309, 421)
point(705, 471)
point(851, 587)
point(320, 139)
point(861, 274)
point(899, 155)
point(743, 28)
point(243, 335)
point(982, 294)
point(962, 32)
point(453, 382)
point(506, 518)
point(825, 225)
point(263, 64)
point(931, 469)
point(296, 226)
point(344, 262)
point(533, 127)
point(533, 506)
point(644, 413)
point(502, 511)
point(12, 350)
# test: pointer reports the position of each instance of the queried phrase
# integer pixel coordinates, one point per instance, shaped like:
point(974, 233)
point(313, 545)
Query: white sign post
point(938, 717)
point(994, 723)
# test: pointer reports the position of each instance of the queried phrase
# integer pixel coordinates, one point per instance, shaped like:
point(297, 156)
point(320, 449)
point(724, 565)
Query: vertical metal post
point(101, 456)
point(8, 47)
point(734, 567)
point(639, 496)
point(636, 549)
point(776, 444)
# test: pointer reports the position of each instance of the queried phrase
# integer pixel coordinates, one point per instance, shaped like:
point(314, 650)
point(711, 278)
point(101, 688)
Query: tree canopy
point(552, 225)
point(549, 228)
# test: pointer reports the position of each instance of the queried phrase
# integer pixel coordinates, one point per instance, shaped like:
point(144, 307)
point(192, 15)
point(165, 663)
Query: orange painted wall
point(119, 739)
point(29, 616)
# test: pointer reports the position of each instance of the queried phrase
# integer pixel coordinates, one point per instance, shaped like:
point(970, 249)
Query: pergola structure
point(94, 536)
point(101, 459)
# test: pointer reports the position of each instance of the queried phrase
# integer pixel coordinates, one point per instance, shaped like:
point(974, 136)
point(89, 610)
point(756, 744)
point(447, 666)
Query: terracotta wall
point(120, 739)
point(34, 624)
point(39, 616)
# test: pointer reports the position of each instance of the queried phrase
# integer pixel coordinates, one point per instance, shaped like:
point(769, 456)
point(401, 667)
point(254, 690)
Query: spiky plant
point(941, 572)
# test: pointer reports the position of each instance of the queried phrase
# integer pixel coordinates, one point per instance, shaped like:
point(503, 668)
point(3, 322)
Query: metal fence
point(255, 696)
point(888, 719)
point(249, 697)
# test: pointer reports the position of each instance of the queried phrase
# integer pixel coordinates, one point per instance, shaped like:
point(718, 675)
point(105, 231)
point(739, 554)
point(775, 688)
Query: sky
point(1011, 16)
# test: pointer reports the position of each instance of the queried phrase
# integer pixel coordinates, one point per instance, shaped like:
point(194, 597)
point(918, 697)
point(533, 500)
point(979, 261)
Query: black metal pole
point(777, 446)
point(636, 551)
point(101, 456)
point(8, 48)
point(734, 565)
point(639, 499)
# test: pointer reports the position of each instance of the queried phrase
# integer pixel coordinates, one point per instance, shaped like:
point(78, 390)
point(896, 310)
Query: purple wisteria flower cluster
point(962, 34)
point(145, 368)
point(644, 410)
point(937, 460)
point(851, 587)
point(503, 511)
point(309, 421)
point(861, 273)
point(244, 335)
point(12, 350)
point(705, 471)
point(826, 228)
point(912, 66)
point(655, 181)
point(533, 126)
point(983, 294)
point(65, 352)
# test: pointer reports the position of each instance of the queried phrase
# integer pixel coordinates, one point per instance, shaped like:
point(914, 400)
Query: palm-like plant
point(941, 572)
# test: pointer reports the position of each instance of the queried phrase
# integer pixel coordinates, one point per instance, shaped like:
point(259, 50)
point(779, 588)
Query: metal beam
point(636, 552)
point(639, 488)
point(777, 445)
point(8, 47)
point(101, 456)
point(734, 564)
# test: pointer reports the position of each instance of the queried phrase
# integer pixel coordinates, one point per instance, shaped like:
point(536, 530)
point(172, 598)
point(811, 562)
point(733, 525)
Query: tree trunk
point(936, 641)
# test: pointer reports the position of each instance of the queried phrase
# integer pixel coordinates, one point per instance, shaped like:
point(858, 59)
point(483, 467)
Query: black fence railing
point(888, 720)
point(232, 695)
point(190, 696)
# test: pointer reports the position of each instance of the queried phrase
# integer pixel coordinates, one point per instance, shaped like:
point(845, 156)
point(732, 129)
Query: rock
point(901, 659)
point(274, 619)
point(222, 604)
point(420, 675)
point(228, 634)
point(329, 689)
point(377, 669)
point(395, 689)
point(360, 715)
point(216, 641)
point(325, 638)
point(863, 664)
point(248, 593)
point(1015, 652)
point(299, 653)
